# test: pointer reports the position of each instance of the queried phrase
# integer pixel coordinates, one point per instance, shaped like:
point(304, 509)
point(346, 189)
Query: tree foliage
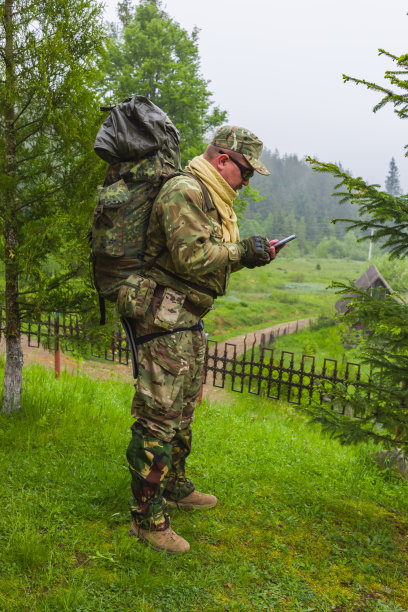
point(384, 338)
point(48, 115)
point(151, 54)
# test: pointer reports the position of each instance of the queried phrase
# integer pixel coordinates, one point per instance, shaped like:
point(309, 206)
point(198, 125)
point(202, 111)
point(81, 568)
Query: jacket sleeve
point(193, 241)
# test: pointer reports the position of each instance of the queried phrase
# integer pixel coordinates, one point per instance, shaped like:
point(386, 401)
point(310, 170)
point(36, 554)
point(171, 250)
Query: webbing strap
point(189, 283)
point(102, 310)
point(135, 342)
point(197, 327)
point(208, 205)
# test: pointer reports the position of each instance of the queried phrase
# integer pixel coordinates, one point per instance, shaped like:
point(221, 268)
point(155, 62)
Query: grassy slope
point(285, 290)
point(324, 343)
point(302, 523)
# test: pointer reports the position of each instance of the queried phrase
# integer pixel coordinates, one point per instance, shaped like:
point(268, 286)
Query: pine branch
point(388, 54)
point(381, 207)
point(21, 112)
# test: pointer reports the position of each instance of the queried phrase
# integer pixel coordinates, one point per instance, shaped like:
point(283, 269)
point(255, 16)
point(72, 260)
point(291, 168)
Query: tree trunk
point(13, 375)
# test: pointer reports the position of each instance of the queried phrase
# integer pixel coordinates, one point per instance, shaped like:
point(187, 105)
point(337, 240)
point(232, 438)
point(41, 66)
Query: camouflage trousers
point(166, 393)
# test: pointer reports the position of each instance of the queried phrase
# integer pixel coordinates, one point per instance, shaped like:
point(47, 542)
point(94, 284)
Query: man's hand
point(274, 251)
point(255, 251)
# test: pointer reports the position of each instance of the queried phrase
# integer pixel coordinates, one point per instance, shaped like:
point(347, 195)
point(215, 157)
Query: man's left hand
point(274, 251)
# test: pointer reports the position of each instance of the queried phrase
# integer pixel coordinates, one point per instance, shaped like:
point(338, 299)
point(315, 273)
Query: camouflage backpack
point(141, 146)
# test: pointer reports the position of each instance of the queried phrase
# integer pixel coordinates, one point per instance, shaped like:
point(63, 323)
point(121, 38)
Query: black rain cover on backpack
point(134, 129)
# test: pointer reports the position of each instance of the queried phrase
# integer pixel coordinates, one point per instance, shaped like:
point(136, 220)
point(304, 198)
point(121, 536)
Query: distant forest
point(298, 201)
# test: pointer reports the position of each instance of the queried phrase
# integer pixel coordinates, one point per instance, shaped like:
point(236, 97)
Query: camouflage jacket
point(186, 237)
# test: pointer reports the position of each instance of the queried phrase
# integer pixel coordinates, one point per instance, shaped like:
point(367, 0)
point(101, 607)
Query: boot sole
point(180, 505)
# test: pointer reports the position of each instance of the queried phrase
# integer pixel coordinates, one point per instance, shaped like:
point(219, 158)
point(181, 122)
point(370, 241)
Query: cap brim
point(256, 165)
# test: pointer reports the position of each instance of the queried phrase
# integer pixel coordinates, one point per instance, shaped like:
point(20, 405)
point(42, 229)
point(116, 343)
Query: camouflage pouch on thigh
point(170, 308)
point(135, 296)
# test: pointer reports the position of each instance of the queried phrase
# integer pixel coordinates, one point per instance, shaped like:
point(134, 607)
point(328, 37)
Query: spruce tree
point(380, 411)
point(392, 181)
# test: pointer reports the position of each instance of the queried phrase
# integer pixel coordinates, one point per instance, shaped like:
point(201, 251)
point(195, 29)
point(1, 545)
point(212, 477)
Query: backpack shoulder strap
point(208, 205)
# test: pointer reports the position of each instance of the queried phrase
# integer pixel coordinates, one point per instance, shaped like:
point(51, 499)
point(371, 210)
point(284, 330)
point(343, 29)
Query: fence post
point(57, 353)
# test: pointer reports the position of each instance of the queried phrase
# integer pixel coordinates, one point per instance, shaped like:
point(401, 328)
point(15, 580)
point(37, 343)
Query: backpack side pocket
point(168, 313)
point(135, 296)
point(108, 224)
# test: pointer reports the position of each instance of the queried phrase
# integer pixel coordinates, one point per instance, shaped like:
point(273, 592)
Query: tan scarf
point(221, 194)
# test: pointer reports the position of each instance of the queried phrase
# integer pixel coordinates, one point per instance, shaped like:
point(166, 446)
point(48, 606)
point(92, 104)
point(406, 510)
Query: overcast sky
point(276, 68)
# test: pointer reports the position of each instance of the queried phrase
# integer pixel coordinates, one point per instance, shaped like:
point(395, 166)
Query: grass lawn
point(285, 290)
point(323, 340)
point(302, 523)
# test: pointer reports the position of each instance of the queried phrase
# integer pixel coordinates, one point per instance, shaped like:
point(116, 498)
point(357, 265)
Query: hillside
point(298, 200)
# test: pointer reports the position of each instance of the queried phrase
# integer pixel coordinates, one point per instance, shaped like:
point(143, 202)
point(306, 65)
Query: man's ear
point(220, 161)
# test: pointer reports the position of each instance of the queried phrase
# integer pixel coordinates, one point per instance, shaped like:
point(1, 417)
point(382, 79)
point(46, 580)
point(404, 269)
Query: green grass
point(323, 340)
point(285, 290)
point(302, 522)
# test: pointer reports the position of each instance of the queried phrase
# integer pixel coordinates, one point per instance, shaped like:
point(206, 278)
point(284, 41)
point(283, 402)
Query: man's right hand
point(255, 251)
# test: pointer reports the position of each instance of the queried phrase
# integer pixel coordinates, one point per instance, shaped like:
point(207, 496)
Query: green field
point(302, 523)
point(285, 290)
point(323, 340)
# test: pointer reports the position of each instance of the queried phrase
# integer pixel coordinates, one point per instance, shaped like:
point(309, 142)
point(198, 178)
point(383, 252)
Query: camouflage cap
point(243, 141)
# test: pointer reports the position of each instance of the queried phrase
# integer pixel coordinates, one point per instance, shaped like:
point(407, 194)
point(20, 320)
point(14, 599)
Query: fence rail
point(277, 377)
point(63, 330)
point(259, 370)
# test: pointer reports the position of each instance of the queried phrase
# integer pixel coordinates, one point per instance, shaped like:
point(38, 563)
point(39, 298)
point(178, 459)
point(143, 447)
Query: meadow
point(324, 339)
point(285, 290)
point(302, 523)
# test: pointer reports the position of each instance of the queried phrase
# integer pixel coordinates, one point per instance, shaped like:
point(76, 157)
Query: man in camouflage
point(194, 243)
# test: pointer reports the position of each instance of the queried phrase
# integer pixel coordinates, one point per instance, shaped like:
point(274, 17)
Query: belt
point(198, 311)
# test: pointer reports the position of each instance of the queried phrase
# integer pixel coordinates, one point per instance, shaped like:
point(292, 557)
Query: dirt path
point(108, 370)
point(247, 340)
point(95, 369)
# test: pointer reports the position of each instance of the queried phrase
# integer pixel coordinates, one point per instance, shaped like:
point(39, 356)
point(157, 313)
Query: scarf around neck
point(221, 194)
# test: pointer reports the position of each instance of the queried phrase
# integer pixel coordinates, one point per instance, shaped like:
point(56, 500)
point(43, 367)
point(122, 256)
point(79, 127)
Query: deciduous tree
point(152, 55)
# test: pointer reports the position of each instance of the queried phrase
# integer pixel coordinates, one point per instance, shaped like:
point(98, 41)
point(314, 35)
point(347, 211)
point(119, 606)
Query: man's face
point(232, 167)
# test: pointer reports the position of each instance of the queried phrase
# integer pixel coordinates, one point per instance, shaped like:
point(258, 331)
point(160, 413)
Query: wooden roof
point(370, 279)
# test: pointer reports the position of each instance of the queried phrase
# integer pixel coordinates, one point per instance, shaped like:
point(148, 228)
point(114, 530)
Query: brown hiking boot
point(166, 540)
point(194, 500)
